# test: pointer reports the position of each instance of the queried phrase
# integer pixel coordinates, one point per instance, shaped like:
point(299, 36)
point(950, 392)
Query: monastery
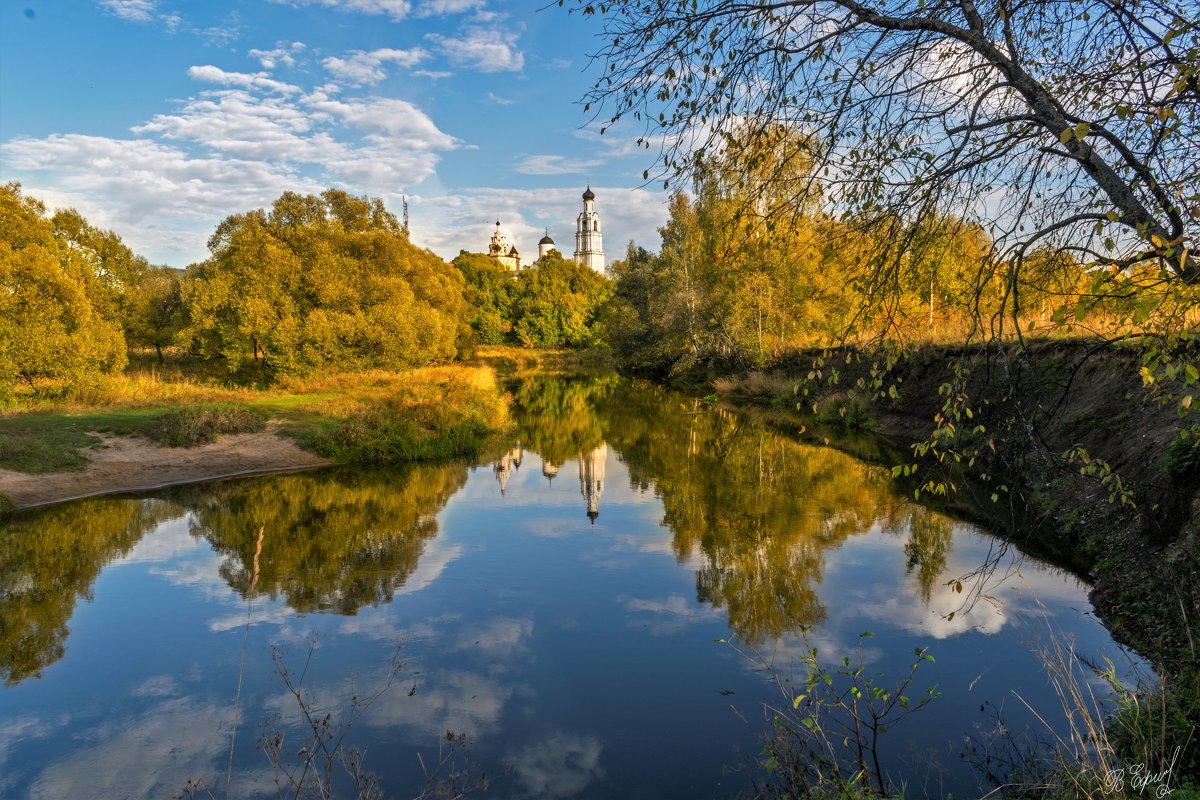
point(589, 241)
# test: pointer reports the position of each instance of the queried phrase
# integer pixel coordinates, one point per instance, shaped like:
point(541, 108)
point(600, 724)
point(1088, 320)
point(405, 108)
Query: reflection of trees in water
point(556, 417)
point(336, 541)
point(930, 537)
point(758, 507)
point(50, 559)
point(331, 540)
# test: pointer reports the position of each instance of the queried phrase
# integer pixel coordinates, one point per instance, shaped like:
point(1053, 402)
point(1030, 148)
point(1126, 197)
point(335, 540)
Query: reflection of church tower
point(591, 479)
point(589, 244)
point(550, 470)
point(507, 463)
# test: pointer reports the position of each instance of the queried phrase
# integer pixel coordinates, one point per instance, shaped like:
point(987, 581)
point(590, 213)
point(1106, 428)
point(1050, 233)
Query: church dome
point(546, 240)
point(587, 194)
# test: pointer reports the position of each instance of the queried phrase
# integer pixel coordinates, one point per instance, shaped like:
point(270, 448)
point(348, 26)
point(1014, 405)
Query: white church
point(589, 241)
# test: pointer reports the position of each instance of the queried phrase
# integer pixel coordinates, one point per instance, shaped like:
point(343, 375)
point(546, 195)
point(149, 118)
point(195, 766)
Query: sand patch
point(132, 463)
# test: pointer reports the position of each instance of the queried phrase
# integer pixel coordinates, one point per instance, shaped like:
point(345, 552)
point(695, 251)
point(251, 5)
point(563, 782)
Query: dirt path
point(131, 463)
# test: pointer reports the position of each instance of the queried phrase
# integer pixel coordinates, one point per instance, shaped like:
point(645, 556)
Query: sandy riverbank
point(132, 463)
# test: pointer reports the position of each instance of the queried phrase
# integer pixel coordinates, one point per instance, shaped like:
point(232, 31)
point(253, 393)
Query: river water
point(603, 611)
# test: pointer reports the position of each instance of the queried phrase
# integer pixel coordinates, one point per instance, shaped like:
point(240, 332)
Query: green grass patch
point(6, 504)
point(47, 442)
point(199, 425)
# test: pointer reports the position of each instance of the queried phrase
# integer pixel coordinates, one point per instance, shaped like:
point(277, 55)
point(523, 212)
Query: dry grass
point(433, 399)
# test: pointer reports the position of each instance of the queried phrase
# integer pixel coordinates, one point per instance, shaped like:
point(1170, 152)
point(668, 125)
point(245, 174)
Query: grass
point(44, 441)
point(370, 416)
point(450, 413)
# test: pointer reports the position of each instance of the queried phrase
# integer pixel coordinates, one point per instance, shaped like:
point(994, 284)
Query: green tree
point(117, 270)
point(557, 303)
point(489, 294)
point(322, 283)
point(154, 309)
point(52, 323)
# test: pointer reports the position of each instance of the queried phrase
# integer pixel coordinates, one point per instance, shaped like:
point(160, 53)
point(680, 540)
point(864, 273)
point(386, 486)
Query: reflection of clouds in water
point(561, 766)
point(551, 527)
point(157, 686)
point(199, 572)
point(498, 638)
point(462, 702)
point(1009, 589)
point(169, 540)
point(16, 730)
point(672, 614)
point(434, 558)
point(150, 755)
point(276, 614)
point(375, 622)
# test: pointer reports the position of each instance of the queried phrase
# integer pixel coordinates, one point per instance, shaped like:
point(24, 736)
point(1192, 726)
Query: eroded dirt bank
point(133, 463)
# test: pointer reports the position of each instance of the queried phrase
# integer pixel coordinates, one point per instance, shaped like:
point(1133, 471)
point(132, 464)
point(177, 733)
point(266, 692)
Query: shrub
point(192, 427)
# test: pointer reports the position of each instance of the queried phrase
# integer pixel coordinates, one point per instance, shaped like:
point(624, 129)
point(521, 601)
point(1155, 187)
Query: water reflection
point(563, 646)
point(336, 541)
point(759, 508)
point(49, 561)
point(591, 479)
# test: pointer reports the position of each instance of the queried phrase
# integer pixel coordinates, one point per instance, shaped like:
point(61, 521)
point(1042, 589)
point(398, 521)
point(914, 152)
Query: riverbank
point(1062, 448)
point(114, 438)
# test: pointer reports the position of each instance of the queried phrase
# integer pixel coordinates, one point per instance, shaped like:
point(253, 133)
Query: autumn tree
point(53, 324)
point(489, 292)
point(1062, 124)
point(321, 283)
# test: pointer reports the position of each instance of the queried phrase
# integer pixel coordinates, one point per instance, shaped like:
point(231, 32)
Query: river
point(603, 610)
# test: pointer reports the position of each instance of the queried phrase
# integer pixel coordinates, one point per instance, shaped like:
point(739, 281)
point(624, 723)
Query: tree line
point(314, 284)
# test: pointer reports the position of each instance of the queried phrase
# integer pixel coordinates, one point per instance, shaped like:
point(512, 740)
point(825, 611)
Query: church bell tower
point(589, 244)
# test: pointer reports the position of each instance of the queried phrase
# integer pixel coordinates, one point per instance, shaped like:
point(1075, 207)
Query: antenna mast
point(405, 201)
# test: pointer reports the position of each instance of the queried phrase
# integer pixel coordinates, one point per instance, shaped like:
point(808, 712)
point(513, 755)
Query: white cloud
point(360, 67)
point(397, 121)
point(555, 165)
point(131, 10)
point(497, 100)
point(484, 49)
point(395, 9)
point(244, 125)
point(283, 53)
point(164, 201)
point(258, 80)
point(443, 8)
point(433, 75)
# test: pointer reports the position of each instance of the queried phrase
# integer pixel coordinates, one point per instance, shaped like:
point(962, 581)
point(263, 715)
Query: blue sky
point(158, 118)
